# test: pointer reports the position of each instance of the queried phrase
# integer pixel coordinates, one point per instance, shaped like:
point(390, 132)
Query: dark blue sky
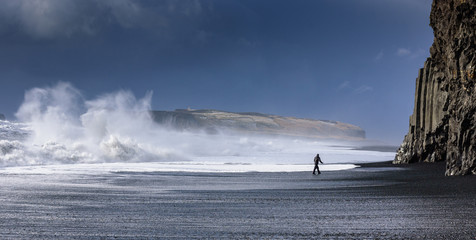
point(351, 60)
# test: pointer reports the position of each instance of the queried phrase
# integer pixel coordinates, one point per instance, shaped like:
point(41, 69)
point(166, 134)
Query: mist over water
point(57, 125)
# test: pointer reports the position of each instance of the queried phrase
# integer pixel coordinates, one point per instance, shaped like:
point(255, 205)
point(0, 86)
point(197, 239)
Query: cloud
point(360, 90)
point(363, 89)
point(344, 85)
point(126, 12)
point(401, 52)
point(54, 18)
point(405, 52)
point(48, 19)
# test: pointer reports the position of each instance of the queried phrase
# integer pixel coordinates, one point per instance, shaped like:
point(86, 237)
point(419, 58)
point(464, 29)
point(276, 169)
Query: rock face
point(212, 121)
point(2, 117)
point(443, 123)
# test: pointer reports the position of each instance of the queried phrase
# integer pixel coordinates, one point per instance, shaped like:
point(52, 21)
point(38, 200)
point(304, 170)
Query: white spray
point(59, 126)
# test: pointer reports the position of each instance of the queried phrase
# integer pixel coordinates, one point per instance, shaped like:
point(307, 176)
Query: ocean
point(171, 151)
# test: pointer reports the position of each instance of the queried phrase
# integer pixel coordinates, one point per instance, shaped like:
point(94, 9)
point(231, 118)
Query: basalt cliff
point(214, 121)
point(443, 123)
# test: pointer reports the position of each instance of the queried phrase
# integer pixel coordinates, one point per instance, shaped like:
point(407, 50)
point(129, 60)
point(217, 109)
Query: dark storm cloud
point(64, 18)
point(47, 19)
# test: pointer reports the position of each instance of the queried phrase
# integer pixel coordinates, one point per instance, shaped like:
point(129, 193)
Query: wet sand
point(378, 200)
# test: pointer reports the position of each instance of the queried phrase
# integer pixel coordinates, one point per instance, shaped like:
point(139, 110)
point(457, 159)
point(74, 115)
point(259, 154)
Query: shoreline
point(374, 201)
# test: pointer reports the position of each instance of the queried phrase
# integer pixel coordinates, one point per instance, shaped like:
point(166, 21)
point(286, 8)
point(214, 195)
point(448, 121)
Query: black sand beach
point(374, 201)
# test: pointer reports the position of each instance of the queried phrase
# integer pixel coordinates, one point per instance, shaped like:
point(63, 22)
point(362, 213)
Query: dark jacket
point(317, 159)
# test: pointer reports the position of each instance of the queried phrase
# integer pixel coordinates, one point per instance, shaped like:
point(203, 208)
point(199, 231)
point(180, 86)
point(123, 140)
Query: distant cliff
point(213, 121)
point(443, 123)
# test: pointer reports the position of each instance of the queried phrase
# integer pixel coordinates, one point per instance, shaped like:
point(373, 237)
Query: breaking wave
point(57, 125)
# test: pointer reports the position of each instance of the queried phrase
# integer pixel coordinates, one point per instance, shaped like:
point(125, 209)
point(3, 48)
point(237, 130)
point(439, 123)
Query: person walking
point(317, 160)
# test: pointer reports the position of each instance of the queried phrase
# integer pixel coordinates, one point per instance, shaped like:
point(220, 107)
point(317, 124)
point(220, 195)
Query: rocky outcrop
point(2, 117)
point(443, 123)
point(213, 121)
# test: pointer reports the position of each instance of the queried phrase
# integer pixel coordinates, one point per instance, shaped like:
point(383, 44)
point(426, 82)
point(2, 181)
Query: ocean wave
point(57, 125)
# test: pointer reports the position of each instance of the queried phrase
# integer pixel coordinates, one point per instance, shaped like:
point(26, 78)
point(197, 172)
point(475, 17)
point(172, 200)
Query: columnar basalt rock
point(443, 123)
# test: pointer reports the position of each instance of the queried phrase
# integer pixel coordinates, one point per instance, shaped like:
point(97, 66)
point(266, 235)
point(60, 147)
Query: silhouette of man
point(317, 160)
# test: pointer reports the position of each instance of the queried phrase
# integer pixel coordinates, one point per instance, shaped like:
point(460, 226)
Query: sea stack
point(443, 123)
point(2, 117)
